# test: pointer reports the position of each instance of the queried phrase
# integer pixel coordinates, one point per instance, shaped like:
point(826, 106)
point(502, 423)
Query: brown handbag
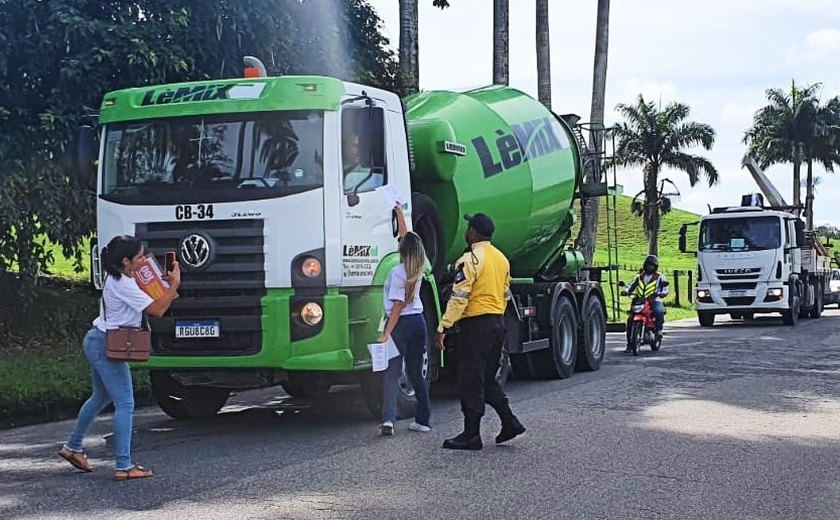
point(128, 343)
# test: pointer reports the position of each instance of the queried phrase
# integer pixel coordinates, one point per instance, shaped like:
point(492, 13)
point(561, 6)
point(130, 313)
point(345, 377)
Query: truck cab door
point(368, 229)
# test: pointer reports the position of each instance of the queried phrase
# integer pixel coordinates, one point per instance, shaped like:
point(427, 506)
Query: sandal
point(77, 458)
point(135, 472)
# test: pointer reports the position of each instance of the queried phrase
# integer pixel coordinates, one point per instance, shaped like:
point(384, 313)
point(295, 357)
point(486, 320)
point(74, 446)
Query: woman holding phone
point(407, 326)
point(124, 305)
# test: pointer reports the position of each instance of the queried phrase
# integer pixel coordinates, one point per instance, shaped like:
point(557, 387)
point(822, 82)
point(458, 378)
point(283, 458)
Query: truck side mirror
point(86, 155)
point(683, 242)
point(621, 283)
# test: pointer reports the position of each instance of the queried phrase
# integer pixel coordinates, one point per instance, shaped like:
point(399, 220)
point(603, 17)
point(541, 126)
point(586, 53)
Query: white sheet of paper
point(392, 195)
point(381, 353)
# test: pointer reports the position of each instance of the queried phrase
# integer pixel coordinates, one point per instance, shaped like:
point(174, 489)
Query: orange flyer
point(150, 278)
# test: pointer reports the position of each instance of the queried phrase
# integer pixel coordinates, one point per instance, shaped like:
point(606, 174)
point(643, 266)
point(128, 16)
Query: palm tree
point(543, 55)
point(589, 219)
point(500, 42)
point(654, 138)
point(782, 129)
point(824, 148)
point(409, 52)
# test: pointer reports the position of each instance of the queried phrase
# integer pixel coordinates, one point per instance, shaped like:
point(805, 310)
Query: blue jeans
point(410, 337)
point(659, 313)
point(111, 383)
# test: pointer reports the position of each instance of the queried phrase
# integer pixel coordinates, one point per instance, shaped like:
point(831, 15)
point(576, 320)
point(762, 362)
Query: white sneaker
point(387, 429)
point(417, 427)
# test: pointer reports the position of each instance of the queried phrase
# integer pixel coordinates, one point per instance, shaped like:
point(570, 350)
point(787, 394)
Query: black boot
point(469, 439)
point(510, 428)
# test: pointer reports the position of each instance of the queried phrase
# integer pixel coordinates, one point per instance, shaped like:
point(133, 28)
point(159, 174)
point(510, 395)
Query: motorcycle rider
point(649, 284)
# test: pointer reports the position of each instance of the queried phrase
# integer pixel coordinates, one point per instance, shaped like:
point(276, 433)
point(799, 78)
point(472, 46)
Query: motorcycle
point(643, 326)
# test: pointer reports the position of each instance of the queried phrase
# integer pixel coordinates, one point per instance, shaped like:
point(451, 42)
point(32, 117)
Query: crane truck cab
point(756, 260)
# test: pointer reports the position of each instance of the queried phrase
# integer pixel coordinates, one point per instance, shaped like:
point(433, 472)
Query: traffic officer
point(477, 305)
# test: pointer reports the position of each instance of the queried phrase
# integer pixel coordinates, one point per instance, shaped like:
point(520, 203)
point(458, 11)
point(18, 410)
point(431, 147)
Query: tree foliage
point(653, 138)
point(59, 57)
point(795, 128)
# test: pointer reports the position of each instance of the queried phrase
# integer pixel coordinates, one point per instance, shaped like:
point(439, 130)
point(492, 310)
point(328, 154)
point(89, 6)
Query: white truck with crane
point(754, 259)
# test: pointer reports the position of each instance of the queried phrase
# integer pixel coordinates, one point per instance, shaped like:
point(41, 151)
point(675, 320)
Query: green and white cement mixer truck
point(274, 192)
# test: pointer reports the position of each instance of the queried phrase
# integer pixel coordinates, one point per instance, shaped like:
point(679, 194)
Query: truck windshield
point(215, 158)
point(740, 234)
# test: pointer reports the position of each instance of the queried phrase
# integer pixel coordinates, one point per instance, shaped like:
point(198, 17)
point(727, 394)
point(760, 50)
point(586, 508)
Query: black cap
point(482, 224)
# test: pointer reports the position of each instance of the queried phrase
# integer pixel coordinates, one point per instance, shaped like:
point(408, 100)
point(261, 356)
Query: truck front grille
point(740, 301)
point(229, 289)
point(739, 286)
point(749, 273)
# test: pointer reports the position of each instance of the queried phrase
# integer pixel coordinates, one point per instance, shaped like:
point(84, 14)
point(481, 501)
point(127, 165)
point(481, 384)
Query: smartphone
point(169, 261)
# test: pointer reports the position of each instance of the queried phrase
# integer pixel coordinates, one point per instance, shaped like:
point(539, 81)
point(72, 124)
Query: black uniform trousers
point(479, 345)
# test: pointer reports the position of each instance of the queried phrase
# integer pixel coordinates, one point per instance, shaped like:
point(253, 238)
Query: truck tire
point(426, 222)
point(593, 335)
point(819, 303)
point(706, 319)
point(306, 386)
point(430, 314)
point(559, 359)
point(186, 402)
point(791, 316)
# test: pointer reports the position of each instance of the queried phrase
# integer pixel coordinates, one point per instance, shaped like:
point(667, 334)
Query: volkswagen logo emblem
point(195, 251)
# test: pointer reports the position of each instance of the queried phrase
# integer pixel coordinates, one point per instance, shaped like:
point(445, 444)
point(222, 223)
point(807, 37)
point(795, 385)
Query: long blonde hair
point(413, 256)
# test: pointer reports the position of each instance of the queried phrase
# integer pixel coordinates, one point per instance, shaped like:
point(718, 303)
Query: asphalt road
point(740, 421)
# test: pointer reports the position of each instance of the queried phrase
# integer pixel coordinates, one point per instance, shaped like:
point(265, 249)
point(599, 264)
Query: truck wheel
point(426, 222)
point(706, 319)
point(593, 335)
point(791, 316)
point(306, 386)
point(558, 360)
point(186, 402)
point(430, 314)
point(817, 309)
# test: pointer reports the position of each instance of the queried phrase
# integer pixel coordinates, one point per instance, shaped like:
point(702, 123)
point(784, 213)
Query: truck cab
point(754, 260)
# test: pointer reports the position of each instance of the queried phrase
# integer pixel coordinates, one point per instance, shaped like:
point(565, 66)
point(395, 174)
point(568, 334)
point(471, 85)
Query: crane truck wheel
point(186, 402)
point(706, 319)
point(817, 309)
point(426, 222)
point(593, 335)
point(559, 359)
point(791, 316)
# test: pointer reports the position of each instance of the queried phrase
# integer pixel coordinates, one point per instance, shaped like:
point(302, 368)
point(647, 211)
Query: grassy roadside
point(43, 372)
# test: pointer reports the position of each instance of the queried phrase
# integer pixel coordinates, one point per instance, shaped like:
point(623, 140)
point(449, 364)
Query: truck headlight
point(703, 294)
point(775, 293)
point(311, 267)
point(311, 314)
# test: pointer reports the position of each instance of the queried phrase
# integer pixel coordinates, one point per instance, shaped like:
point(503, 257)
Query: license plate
point(737, 293)
point(197, 329)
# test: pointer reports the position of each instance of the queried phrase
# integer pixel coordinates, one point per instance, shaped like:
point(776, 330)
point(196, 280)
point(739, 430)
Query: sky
point(717, 56)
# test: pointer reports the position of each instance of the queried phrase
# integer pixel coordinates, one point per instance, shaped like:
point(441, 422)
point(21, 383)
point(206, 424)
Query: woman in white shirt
point(124, 304)
point(407, 326)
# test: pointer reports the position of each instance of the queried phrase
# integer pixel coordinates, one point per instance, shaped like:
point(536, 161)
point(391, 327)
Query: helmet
point(652, 260)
